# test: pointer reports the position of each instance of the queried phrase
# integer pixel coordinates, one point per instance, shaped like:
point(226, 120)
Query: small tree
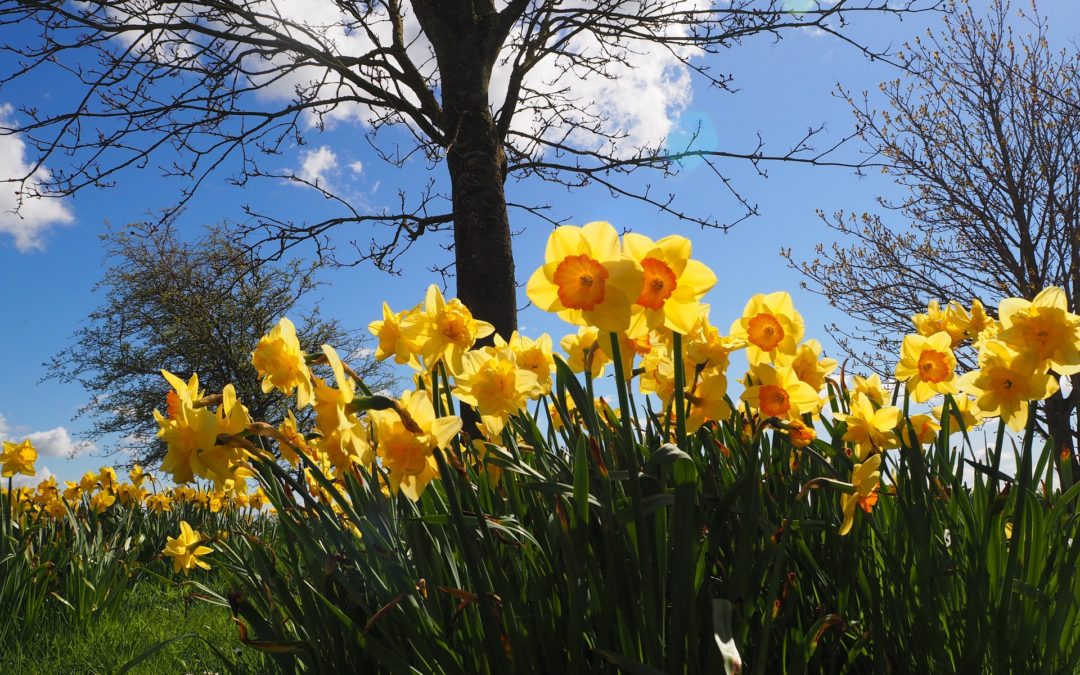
point(188, 307)
point(984, 135)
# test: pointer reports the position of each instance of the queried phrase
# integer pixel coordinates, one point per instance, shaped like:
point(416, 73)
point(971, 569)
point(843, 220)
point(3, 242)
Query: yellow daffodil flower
point(928, 366)
point(534, 356)
point(491, 381)
point(778, 392)
point(280, 362)
point(706, 348)
point(935, 320)
point(186, 430)
point(865, 478)
point(18, 458)
point(965, 410)
point(445, 330)
point(926, 430)
point(799, 434)
point(586, 279)
point(1005, 381)
point(870, 429)
point(397, 336)
point(1043, 327)
point(871, 387)
point(185, 550)
point(658, 374)
point(771, 327)
point(672, 285)
point(583, 345)
point(708, 401)
point(408, 456)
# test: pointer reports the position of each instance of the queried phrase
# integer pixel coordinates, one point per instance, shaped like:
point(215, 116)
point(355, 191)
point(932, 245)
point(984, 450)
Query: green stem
point(645, 547)
point(680, 392)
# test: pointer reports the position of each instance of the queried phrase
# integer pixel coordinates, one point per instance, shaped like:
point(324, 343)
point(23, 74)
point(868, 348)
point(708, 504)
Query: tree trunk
point(482, 252)
point(466, 36)
point(1059, 413)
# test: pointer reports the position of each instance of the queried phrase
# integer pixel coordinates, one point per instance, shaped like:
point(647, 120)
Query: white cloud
point(43, 473)
point(28, 221)
point(360, 354)
point(57, 443)
point(644, 92)
point(643, 97)
point(315, 164)
point(646, 89)
point(356, 167)
point(5, 428)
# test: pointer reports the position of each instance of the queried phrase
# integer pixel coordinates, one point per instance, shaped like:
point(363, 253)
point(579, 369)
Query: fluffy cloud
point(43, 474)
point(5, 428)
point(642, 99)
point(316, 164)
point(28, 221)
point(57, 443)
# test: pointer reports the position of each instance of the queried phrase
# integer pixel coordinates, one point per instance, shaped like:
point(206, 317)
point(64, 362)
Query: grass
point(152, 613)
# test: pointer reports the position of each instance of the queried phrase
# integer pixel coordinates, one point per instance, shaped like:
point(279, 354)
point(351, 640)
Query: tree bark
point(1059, 414)
point(482, 252)
point(467, 36)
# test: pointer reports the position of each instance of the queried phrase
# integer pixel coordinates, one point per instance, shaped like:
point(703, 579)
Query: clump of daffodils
point(636, 307)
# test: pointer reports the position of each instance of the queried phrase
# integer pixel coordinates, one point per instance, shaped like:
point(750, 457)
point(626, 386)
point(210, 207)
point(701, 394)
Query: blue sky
point(784, 87)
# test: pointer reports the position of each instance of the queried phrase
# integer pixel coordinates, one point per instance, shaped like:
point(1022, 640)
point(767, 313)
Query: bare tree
point(190, 307)
point(177, 83)
point(983, 134)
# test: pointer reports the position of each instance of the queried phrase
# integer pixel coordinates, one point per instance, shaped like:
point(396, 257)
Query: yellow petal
point(603, 240)
point(637, 246)
point(541, 291)
point(564, 241)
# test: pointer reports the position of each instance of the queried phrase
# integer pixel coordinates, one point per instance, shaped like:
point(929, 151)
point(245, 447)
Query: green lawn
point(152, 614)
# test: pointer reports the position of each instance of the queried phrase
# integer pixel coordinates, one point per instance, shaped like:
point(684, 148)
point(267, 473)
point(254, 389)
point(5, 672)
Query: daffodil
point(185, 549)
point(706, 348)
point(101, 501)
point(800, 434)
point(771, 327)
point(810, 367)
point(534, 356)
point(18, 458)
point(186, 430)
point(865, 478)
point(88, 481)
point(582, 349)
point(280, 362)
point(586, 279)
point(778, 392)
point(926, 430)
point(491, 381)
point(672, 284)
point(658, 374)
point(1043, 327)
point(871, 387)
point(395, 336)
point(928, 366)
point(965, 411)
point(445, 329)
point(707, 402)
point(137, 475)
point(978, 320)
point(870, 429)
point(1006, 381)
point(294, 441)
point(935, 320)
point(407, 455)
